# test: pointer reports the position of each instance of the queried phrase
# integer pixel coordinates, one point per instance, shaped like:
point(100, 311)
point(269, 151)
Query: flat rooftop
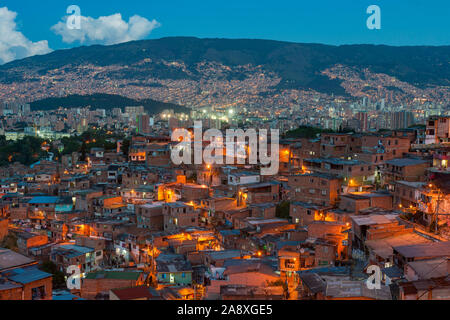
point(11, 259)
point(406, 162)
point(434, 249)
point(374, 219)
point(384, 247)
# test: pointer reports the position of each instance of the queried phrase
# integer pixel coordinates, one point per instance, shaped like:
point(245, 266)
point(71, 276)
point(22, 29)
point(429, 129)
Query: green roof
point(118, 275)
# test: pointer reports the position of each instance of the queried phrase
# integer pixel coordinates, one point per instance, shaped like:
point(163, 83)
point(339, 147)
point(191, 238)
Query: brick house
point(259, 275)
point(317, 188)
point(355, 202)
point(337, 145)
point(303, 213)
point(353, 173)
point(20, 279)
point(150, 216)
point(26, 240)
point(96, 284)
point(178, 214)
point(404, 170)
point(393, 146)
point(259, 193)
point(407, 193)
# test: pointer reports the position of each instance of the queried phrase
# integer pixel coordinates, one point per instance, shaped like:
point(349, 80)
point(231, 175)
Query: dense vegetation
point(29, 150)
point(310, 132)
point(59, 280)
point(26, 151)
point(93, 138)
point(105, 101)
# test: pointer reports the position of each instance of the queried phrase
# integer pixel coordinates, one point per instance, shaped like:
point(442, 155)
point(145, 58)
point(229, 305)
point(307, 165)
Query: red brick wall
point(38, 240)
point(302, 214)
point(319, 230)
point(91, 287)
point(47, 282)
point(325, 253)
point(11, 294)
point(306, 184)
point(3, 228)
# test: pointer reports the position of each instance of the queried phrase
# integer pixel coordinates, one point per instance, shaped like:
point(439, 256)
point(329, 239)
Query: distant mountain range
point(105, 101)
point(150, 69)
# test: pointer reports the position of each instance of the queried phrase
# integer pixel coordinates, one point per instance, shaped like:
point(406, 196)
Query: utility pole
point(436, 213)
point(209, 167)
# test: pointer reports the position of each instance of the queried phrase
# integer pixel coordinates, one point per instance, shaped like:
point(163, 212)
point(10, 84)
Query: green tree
point(306, 132)
point(59, 280)
point(26, 151)
point(282, 210)
point(125, 148)
point(83, 151)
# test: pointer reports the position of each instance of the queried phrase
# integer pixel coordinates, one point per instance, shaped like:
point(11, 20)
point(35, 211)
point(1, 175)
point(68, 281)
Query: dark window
point(38, 293)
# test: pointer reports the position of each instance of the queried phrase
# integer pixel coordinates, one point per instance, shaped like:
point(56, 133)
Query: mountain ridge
point(297, 66)
point(104, 101)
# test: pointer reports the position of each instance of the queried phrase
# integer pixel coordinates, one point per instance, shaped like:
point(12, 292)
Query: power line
point(431, 288)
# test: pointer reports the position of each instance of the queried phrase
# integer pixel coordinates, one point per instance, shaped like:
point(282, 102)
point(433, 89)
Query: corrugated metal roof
point(434, 249)
point(43, 200)
point(26, 275)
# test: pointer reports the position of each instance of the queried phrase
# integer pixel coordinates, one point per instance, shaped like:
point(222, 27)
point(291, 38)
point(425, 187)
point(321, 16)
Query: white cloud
point(106, 30)
point(13, 44)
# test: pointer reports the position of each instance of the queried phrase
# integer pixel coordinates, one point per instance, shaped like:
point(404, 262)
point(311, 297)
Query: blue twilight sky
point(403, 22)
